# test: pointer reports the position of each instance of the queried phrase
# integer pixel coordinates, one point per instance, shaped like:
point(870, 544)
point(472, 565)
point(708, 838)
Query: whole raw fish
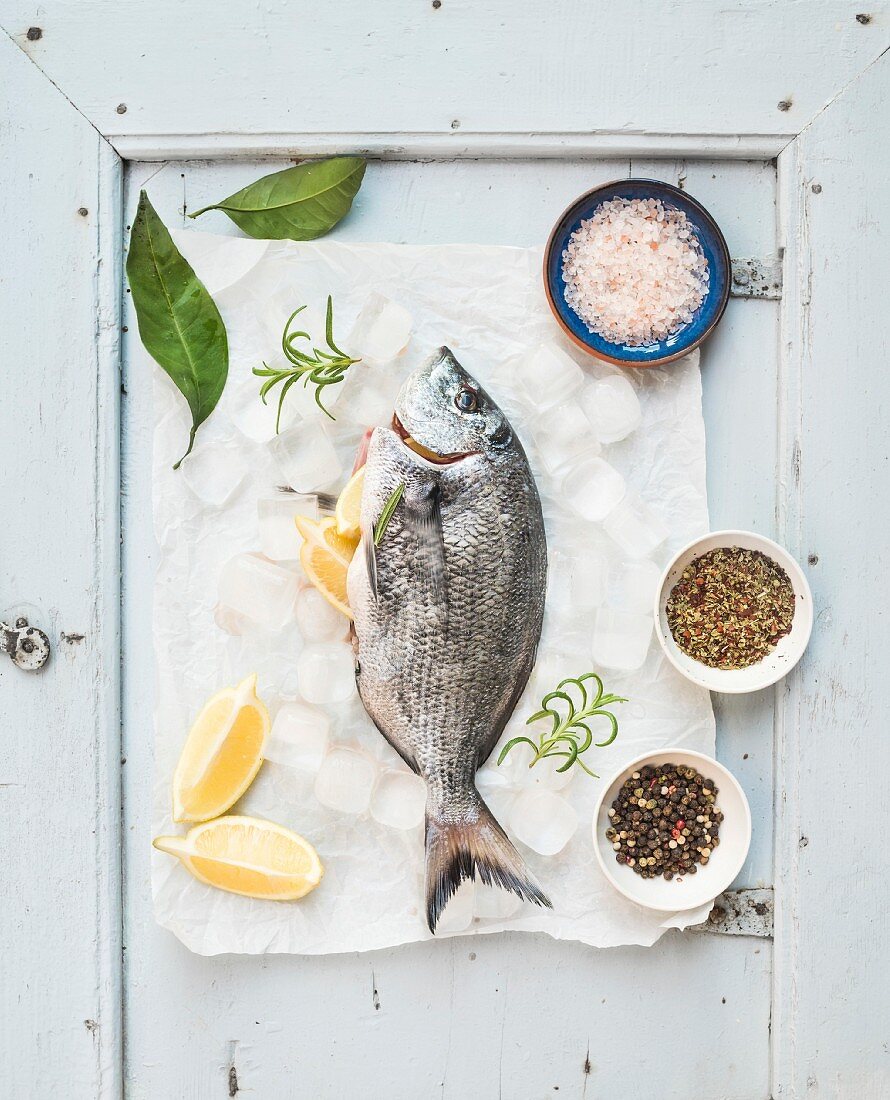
point(448, 610)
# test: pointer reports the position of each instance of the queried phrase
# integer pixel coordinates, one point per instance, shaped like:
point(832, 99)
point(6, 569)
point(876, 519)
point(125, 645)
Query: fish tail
point(458, 850)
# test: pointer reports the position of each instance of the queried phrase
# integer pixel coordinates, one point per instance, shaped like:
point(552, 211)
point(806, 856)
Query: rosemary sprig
point(570, 735)
point(386, 514)
point(321, 368)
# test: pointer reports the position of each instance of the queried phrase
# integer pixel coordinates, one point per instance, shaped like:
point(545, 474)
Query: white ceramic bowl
point(774, 665)
point(690, 891)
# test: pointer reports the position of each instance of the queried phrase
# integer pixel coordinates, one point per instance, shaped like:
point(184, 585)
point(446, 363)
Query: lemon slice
point(325, 556)
point(327, 572)
point(245, 855)
point(222, 753)
point(349, 505)
point(324, 533)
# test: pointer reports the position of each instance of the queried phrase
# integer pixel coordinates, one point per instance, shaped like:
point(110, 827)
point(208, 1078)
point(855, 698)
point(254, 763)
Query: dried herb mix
point(665, 821)
point(731, 607)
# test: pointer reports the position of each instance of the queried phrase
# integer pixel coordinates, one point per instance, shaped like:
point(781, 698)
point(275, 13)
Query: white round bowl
point(775, 664)
point(688, 891)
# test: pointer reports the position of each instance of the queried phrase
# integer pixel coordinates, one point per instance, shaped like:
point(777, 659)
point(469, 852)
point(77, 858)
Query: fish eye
point(466, 401)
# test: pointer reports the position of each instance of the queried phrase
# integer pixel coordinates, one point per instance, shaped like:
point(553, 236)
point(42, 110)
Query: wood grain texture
point(59, 751)
point(518, 1017)
point(833, 755)
point(504, 1015)
point(655, 67)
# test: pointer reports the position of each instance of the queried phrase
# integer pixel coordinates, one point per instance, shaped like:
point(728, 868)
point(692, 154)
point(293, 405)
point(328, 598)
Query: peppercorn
point(664, 822)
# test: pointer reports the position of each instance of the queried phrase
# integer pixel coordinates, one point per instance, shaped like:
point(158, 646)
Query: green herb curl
point(570, 735)
point(321, 368)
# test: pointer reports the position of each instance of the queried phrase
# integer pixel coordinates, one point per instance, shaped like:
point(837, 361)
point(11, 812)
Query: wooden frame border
point(458, 145)
point(62, 874)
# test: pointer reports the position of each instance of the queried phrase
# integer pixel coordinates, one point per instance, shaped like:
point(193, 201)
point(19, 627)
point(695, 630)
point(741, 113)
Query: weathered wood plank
point(60, 745)
point(509, 1016)
point(833, 756)
point(657, 67)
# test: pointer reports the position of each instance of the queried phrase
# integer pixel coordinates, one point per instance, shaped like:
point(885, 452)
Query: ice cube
point(621, 638)
point(545, 774)
point(637, 584)
point(635, 527)
point(548, 376)
point(299, 737)
point(497, 784)
point(306, 457)
point(381, 331)
point(457, 915)
point(317, 620)
point(576, 585)
point(255, 420)
point(369, 394)
point(593, 489)
point(258, 589)
point(564, 436)
point(327, 672)
point(230, 621)
point(521, 413)
point(279, 538)
point(399, 800)
point(613, 407)
point(492, 903)
point(213, 471)
point(274, 313)
point(543, 821)
point(547, 673)
point(277, 676)
point(345, 781)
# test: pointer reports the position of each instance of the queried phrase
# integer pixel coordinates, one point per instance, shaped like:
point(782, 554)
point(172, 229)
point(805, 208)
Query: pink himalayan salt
point(635, 271)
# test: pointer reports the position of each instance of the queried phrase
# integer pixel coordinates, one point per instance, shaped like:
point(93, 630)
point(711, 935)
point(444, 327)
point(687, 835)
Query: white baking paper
point(487, 304)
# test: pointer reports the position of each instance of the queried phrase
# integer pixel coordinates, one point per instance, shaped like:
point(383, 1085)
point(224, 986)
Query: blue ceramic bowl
point(678, 343)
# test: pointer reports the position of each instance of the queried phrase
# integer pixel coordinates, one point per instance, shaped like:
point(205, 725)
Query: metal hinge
point(27, 646)
point(757, 278)
point(741, 913)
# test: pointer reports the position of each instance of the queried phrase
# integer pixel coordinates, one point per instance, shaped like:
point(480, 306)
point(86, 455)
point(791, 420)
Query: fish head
point(444, 415)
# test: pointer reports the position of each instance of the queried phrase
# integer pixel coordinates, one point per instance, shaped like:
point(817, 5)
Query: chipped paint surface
point(760, 278)
point(27, 646)
point(741, 913)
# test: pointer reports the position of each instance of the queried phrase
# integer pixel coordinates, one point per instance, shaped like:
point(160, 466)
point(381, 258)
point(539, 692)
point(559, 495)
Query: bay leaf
point(298, 203)
point(179, 324)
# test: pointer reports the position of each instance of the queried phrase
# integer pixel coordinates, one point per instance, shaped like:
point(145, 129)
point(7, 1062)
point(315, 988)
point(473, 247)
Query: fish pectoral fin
point(370, 551)
point(425, 516)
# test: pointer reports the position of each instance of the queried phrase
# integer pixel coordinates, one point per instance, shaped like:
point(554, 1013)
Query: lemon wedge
point(222, 753)
point(325, 556)
point(349, 504)
point(324, 533)
point(248, 856)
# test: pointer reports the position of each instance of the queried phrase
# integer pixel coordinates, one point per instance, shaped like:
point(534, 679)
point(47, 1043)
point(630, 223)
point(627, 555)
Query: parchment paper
point(486, 303)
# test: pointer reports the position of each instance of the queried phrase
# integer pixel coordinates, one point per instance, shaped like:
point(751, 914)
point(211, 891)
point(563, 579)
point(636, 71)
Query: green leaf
point(297, 204)
point(179, 323)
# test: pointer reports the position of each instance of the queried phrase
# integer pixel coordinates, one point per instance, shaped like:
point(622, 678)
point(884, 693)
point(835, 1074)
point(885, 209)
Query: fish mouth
point(418, 448)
